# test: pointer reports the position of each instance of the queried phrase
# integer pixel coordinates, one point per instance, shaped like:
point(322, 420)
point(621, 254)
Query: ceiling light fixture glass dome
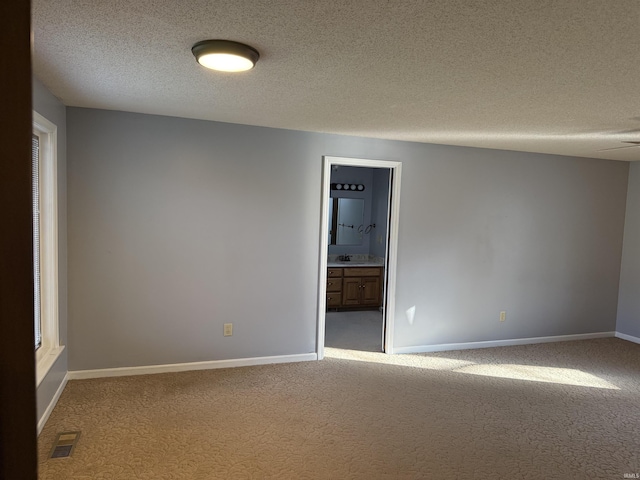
point(225, 55)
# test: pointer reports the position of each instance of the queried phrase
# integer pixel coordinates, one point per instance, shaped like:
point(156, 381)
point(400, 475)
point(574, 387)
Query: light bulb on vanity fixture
point(225, 55)
point(347, 186)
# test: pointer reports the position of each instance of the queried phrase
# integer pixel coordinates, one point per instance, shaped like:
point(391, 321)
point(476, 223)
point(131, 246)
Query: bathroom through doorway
point(359, 228)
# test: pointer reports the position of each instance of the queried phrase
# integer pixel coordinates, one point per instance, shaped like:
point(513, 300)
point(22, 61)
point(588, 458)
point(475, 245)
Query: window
point(35, 196)
point(45, 244)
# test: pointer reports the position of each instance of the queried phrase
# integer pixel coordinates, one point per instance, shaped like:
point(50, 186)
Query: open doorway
point(358, 249)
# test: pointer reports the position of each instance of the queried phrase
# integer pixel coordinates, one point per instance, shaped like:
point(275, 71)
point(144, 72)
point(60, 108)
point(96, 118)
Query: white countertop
point(353, 264)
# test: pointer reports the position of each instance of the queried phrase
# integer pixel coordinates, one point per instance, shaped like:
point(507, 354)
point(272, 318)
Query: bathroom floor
point(354, 330)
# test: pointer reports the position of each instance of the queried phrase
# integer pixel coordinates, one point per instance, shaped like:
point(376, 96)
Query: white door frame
point(392, 244)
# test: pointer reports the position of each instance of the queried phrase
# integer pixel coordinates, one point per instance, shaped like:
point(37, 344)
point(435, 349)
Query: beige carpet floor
point(552, 411)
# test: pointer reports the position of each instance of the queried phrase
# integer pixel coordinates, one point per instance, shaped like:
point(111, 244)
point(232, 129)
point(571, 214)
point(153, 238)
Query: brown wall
point(17, 364)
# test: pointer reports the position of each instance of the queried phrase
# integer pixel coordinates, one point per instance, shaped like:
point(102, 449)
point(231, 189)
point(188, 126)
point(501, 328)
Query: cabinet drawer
point(362, 272)
point(334, 272)
point(334, 284)
point(334, 299)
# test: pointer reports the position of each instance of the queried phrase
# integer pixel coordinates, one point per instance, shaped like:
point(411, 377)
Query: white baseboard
point(183, 367)
point(624, 336)
point(500, 343)
point(52, 404)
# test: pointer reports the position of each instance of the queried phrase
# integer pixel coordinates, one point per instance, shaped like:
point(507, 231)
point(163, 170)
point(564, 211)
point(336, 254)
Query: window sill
point(46, 362)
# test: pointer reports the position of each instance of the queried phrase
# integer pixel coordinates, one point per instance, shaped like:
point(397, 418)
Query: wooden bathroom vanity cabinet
point(353, 287)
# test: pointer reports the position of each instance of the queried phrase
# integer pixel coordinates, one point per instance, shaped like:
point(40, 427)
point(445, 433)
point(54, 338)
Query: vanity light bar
point(348, 186)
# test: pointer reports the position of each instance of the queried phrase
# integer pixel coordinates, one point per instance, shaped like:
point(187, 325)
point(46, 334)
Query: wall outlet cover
point(228, 329)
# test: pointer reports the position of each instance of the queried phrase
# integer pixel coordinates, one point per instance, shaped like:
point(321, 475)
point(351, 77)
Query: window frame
point(50, 349)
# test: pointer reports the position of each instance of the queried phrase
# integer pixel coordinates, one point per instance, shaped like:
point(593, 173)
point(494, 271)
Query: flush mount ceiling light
point(225, 55)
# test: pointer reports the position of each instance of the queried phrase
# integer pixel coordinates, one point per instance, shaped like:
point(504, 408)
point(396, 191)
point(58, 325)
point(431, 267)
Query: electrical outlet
point(503, 316)
point(228, 329)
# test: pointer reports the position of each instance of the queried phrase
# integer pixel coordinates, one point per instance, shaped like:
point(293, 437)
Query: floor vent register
point(64, 444)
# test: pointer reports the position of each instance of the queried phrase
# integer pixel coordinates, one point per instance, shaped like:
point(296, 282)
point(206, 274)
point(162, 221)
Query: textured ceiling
point(551, 76)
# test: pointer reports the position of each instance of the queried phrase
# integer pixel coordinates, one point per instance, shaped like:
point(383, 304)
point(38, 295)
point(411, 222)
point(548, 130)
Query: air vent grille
point(64, 445)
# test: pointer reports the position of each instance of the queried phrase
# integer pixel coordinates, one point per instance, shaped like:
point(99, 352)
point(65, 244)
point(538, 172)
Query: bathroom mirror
point(346, 217)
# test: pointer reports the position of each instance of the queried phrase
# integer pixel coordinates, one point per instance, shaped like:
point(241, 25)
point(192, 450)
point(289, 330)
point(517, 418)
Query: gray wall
point(177, 226)
point(629, 299)
point(50, 107)
point(483, 231)
point(380, 212)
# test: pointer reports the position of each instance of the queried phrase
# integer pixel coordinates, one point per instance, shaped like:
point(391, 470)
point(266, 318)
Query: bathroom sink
point(353, 263)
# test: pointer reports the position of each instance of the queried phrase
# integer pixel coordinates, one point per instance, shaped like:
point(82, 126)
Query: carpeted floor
point(552, 411)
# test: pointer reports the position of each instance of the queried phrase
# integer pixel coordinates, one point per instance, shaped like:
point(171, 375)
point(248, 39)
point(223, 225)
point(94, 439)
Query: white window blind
point(35, 189)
